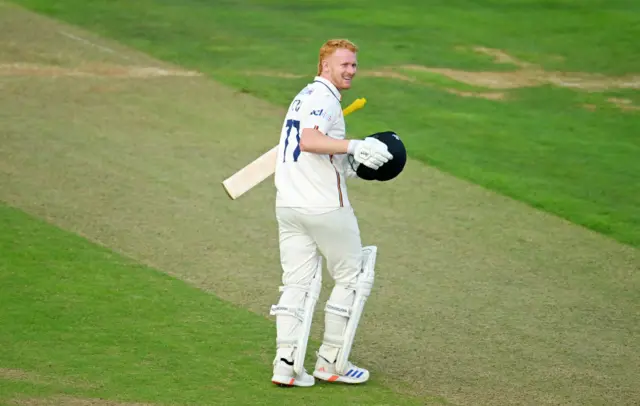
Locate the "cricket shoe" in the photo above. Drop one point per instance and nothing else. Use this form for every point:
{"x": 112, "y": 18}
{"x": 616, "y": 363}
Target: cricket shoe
{"x": 283, "y": 375}
{"x": 326, "y": 371}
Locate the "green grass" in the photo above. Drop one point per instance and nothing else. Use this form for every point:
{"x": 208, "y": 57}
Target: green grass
{"x": 79, "y": 320}
{"x": 541, "y": 146}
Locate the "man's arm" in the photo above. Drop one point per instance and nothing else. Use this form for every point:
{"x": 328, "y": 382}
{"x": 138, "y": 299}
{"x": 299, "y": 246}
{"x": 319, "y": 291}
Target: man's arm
{"x": 370, "y": 151}
{"x": 316, "y": 142}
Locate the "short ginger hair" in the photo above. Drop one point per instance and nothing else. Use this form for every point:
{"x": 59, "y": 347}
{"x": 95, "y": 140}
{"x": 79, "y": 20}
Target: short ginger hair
{"x": 331, "y": 46}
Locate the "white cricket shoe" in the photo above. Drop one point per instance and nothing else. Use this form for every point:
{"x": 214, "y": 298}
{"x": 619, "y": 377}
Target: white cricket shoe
{"x": 327, "y": 372}
{"x": 284, "y": 375}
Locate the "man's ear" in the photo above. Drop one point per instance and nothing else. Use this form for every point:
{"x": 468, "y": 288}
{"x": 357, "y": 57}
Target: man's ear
{"x": 325, "y": 65}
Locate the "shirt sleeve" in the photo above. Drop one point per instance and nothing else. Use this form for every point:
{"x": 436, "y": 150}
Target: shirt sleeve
{"x": 321, "y": 114}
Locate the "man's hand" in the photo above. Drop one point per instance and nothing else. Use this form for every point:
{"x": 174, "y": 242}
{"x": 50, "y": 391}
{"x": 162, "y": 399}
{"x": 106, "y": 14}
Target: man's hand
{"x": 370, "y": 152}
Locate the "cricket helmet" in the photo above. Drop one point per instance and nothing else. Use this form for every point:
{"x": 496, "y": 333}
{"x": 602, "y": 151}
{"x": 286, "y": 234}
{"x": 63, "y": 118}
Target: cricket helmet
{"x": 393, "y": 167}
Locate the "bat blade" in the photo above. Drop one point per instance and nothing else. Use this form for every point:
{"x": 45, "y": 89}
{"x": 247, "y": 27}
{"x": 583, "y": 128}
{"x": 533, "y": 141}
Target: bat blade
{"x": 251, "y": 175}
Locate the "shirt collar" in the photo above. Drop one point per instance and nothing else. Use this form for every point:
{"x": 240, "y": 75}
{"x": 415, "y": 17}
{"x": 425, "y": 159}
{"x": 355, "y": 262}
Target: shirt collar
{"x": 329, "y": 85}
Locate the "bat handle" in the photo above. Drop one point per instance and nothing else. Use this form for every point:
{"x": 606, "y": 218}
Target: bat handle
{"x": 356, "y": 105}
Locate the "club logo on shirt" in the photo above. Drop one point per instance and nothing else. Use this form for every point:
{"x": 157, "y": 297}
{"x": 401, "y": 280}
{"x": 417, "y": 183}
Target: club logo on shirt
{"x": 321, "y": 113}
{"x": 306, "y": 91}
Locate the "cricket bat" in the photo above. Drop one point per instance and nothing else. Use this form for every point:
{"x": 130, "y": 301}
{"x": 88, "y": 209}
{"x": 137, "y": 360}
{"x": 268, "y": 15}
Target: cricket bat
{"x": 265, "y": 165}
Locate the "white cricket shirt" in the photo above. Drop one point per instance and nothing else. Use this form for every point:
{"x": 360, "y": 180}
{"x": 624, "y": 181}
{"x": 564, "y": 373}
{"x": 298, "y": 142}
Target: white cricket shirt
{"x": 307, "y": 180}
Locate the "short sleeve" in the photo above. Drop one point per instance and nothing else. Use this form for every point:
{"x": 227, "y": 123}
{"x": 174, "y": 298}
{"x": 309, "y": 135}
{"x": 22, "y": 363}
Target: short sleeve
{"x": 321, "y": 114}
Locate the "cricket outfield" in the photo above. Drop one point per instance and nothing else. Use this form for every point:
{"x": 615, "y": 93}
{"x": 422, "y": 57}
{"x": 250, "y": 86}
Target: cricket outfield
{"x": 508, "y": 249}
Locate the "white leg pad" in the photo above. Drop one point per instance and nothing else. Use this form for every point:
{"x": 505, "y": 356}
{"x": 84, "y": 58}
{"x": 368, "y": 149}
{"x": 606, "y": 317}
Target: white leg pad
{"x": 304, "y": 316}
{"x": 338, "y": 341}
{"x": 363, "y": 287}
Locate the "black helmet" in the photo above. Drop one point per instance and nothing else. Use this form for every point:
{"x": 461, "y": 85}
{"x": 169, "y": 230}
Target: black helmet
{"x": 390, "y": 169}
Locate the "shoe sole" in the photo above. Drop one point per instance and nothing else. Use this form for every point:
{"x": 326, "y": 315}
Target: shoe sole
{"x": 325, "y": 376}
{"x": 287, "y": 381}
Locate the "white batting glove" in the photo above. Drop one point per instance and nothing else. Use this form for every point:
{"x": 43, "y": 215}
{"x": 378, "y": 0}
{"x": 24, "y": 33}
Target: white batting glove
{"x": 371, "y": 152}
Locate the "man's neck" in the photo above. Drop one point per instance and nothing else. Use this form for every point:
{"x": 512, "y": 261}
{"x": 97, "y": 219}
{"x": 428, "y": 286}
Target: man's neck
{"x": 330, "y": 81}
{"x": 334, "y": 87}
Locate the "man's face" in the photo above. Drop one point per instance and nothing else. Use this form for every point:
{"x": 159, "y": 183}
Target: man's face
{"x": 341, "y": 66}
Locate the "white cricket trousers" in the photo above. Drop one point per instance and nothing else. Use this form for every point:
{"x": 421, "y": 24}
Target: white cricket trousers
{"x": 334, "y": 235}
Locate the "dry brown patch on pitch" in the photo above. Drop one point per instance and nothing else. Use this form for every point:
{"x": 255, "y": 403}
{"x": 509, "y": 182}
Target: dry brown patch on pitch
{"x": 274, "y": 74}
{"x": 527, "y": 75}
{"x": 72, "y": 401}
{"x": 481, "y": 95}
{"x": 533, "y": 77}
{"x": 23, "y": 376}
{"x": 388, "y": 73}
{"x": 34, "y": 378}
{"x": 499, "y": 56}
{"x": 91, "y": 70}
{"x": 623, "y": 104}
{"x": 18, "y": 375}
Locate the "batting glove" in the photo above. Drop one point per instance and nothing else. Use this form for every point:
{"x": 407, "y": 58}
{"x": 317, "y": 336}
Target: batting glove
{"x": 371, "y": 152}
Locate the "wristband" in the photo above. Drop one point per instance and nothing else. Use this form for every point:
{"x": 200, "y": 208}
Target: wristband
{"x": 352, "y": 146}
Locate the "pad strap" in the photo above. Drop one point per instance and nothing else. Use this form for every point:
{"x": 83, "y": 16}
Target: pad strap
{"x": 283, "y": 310}
{"x": 337, "y": 309}
{"x": 301, "y": 288}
